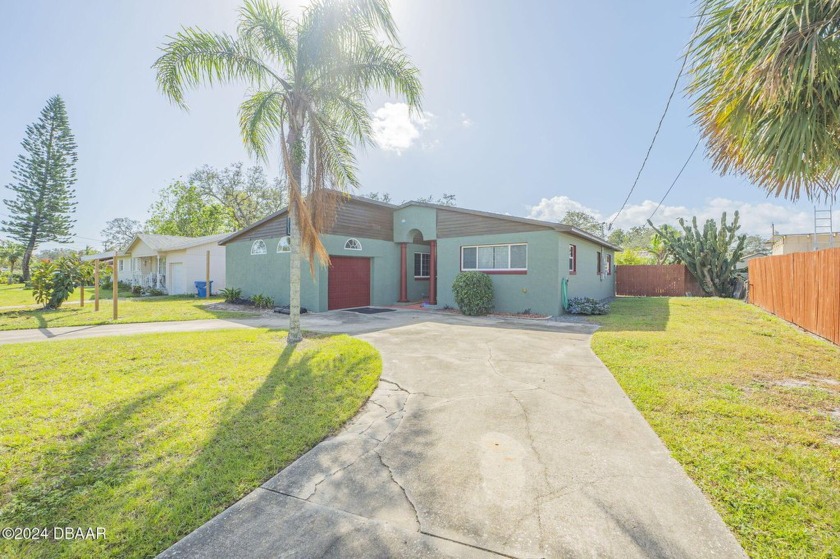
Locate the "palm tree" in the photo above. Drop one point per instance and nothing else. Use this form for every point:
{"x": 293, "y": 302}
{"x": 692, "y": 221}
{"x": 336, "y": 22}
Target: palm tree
{"x": 309, "y": 80}
{"x": 766, "y": 87}
{"x": 11, "y": 252}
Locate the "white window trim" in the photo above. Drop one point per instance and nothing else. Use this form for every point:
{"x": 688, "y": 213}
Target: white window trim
{"x": 429, "y": 267}
{"x": 288, "y": 245}
{"x": 256, "y": 251}
{"x": 508, "y": 245}
{"x": 358, "y": 244}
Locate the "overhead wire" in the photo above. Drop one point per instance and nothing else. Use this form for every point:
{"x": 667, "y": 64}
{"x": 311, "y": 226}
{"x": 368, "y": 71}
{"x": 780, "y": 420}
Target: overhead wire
{"x": 661, "y": 120}
{"x": 675, "y": 179}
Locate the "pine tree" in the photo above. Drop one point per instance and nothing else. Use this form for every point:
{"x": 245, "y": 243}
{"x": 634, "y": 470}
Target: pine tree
{"x": 44, "y": 176}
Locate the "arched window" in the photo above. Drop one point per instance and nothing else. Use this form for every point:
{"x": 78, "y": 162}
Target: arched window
{"x": 284, "y": 245}
{"x": 352, "y": 244}
{"x": 258, "y": 247}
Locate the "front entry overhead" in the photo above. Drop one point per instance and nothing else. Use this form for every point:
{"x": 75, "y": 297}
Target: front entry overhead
{"x": 348, "y": 282}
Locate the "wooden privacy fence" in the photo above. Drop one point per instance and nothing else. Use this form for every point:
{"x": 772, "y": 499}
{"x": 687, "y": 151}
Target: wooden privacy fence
{"x": 803, "y": 288}
{"x": 671, "y": 280}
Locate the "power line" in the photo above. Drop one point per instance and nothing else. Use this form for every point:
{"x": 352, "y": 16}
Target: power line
{"x": 661, "y": 120}
{"x": 675, "y": 179}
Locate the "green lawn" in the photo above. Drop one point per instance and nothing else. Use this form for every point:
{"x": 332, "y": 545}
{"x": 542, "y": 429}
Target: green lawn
{"x": 139, "y": 309}
{"x": 150, "y": 436}
{"x": 15, "y": 295}
{"x": 748, "y": 404}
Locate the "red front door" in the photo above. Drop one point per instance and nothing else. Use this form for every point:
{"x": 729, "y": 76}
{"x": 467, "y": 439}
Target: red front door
{"x": 348, "y": 284}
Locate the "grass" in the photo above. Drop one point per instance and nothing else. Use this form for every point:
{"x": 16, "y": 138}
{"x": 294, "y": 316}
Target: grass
{"x": 16, "y": 295}
{"x": 747, "y": 403}
{"x": 154, "y": 435}
{"x": 139, "y": 309}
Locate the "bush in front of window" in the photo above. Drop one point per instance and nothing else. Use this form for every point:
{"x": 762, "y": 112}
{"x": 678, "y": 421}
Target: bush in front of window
{"x": 473, "y": 293}
{"x": 587, "y": 305}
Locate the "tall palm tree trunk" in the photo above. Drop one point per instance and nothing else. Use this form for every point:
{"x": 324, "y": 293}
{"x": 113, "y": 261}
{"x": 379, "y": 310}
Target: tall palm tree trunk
{"x": 296, "y": 172}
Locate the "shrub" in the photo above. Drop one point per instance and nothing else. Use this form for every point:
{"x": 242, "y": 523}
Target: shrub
{"x": 473, "y": 293}
{"x": 262, "y": 301}
{"x": 52, "y": 284}
{"x": 231, "y": 294}
{"x": 587, "y": 305}
{"x": 136, "y": 289}
{"x": 155, "y": 292}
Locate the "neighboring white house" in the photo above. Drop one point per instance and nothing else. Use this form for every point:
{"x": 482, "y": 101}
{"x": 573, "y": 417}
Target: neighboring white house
{"x": 171, "y": 263}
{"x": 804, "y": 242}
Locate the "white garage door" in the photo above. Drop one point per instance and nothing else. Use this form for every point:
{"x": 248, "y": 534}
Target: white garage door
{"x": 177, "y": 281}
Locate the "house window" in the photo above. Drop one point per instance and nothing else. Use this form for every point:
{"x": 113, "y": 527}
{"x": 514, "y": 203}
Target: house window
{"x": 352, "y": 244}
{"x": 284, "y": 245}
{"x": 513, "y": 257}
{"x": 422, "y": 261}
{"x": 609, "y": 264}
{"x": 122, "y": 265}
{"x": 258, "y": 247}
{"x": 600, "y": 263}
{"x": 572, "y": 259}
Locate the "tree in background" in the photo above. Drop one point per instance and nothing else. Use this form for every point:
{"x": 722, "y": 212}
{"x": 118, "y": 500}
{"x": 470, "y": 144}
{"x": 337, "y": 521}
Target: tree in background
{"x": 246, "y": 194}
{"x": 766, "y": 95}
{"x": 710, "y": 255}
{"x": 445, "y": 200}
{"x": 44, "y": 176}
{"x": 119, "y": 232}
{"x": 56, "y": 253}
{"x": 756, "y": 244}
{"x": 11, "y": 253}
{"x": 632, "y": 257}
{"x": 309, "y": 80}
{"x": 583, "y": 221}
{"x": 384, "y": 197}
{"x": 181, "y": 209}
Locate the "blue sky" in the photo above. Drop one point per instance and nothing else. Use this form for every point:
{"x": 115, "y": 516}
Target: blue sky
{"x": 531, "y": 108}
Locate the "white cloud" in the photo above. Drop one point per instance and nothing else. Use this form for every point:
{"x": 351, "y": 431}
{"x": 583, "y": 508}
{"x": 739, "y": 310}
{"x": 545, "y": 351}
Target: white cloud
{"x": 466, "y": 121}
{"x": 554, "y": 209}
{"x": 395, "y": 128}
{"x": 754, "y": 218}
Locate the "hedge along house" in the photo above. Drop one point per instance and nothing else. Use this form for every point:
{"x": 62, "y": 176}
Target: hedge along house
{"x": 382, "y": 254}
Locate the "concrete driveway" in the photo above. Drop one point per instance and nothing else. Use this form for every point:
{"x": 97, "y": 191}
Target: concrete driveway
{"x": 484, "y": 439}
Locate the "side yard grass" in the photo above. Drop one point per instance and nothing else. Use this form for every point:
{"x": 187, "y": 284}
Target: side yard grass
{"x": 139, "y": 309}
{"x": 748, "y": 404}
{"x": 152, "y": 436}
{"x": 16, "y": 295}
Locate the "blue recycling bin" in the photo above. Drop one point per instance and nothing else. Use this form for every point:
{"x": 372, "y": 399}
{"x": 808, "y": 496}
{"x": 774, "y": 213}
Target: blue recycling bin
{"x": 201, "y": 288}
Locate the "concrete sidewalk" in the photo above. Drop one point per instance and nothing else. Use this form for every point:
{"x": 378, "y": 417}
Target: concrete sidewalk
{"x": 484, "y": 439}
{"x": 343, "y": 322}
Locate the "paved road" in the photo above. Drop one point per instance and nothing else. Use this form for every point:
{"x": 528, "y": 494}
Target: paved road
{"x": 485, "y": 438}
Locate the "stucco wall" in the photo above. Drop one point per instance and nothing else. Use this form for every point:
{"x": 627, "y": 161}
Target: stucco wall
{"x": 268, "y": 274}
{"x": 586, "y": 282}
{"x": 422, "y": 219}
{"x": 538, "y": 289}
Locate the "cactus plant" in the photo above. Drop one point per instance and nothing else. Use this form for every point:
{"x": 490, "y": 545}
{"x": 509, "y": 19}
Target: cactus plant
{"x": 710, "y": 255}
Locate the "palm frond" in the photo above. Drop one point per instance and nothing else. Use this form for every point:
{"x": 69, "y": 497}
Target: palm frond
{"x": 267, "y": 26}
{"x": 260, "y": 117}
{"x": 194, "y": 57}
{"x": 766, "y": 88}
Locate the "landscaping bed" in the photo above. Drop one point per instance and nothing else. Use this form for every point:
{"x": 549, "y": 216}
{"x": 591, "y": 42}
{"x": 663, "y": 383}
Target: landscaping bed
{"x": 748, "y": 404}
{"x": 151, "y": 436}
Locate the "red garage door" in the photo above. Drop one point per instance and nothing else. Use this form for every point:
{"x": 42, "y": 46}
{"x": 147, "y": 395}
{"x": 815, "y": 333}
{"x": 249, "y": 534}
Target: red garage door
{"x": 348, "y": 283}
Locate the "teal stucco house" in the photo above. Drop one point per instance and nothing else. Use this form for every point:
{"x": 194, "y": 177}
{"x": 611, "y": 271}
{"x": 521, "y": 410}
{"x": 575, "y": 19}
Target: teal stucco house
{"x": 383, "y": 254}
